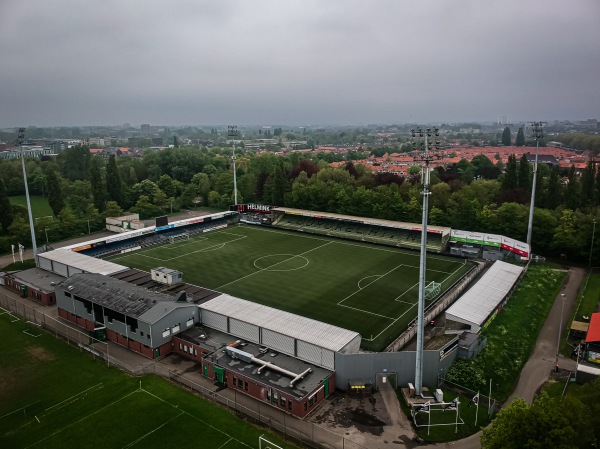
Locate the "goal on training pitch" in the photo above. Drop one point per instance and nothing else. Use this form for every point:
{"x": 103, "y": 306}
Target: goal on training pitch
{"x": 263, "y": 443}
{"x": 432, "y": 290}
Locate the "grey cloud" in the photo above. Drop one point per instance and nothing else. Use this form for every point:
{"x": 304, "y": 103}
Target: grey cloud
{"x": 339, "y": 61}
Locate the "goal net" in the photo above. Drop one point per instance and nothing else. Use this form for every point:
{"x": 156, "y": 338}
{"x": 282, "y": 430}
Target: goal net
{"x": 175, "y": 238}
{"x": 432, "y": 290}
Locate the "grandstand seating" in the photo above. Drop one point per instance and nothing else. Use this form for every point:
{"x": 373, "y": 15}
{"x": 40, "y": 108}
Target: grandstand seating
{"x": 358, "y": 231}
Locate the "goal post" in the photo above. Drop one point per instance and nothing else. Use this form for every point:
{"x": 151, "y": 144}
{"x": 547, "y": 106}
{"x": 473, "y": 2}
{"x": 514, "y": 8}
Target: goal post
{"x": 263, "y": 443}
{"x": 433, "y": 290}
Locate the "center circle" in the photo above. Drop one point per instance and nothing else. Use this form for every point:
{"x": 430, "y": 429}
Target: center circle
{"x": 281, "y": 262}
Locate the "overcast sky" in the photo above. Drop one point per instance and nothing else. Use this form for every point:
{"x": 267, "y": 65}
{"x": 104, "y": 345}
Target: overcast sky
{"x": 298, "y": 62}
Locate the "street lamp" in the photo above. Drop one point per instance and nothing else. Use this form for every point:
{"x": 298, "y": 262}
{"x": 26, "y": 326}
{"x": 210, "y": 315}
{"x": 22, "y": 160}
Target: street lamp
{"x": 592, "y": 245}
{"x": 538, "y": 133}
{"x": 560, "y": 327}
{"x": 46, "y": 231}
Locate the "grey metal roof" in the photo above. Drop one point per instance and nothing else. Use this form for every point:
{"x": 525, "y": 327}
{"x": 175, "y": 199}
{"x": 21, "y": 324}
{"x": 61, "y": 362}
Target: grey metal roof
{"x": 373, "y": 221}
{"x": 83, "y": 262}
{"x": 118, "y": 295}
{"x": 311, "y": 331}
{"x": 476, "y": 305}
{"x": 39, "y": 278}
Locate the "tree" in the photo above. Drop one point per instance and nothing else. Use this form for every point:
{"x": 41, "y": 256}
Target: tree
{"x": 97, "y": 183}
{"x": 520, "y": 140}
{"x": 6, "y": 216}
{"x": 145, "y": 208}
{"x": 523, "y": 177}
{"x": 506, "y": 138}
{"x": 55, "y": 197}
{"x": 113, "y": 209}
{"x": 510, "y": 180}
{"x": 113, "y": 181}
{"x": 540, "y": 425}
{"x": 165, "y": 183}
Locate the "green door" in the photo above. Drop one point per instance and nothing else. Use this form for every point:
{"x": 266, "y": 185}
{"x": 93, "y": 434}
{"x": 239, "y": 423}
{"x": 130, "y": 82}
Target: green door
{"x": 326, "y": 387}
{"x": 205, "y": 370}
{"x": 24, "y": 291}
{"x": 157, "y": 353}
{"x": 219, "y": 374}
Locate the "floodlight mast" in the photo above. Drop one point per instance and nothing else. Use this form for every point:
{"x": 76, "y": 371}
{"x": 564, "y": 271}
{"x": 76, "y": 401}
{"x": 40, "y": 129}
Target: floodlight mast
{"x": 538, "y": 133}
{"x": 425, "y": 157}
{"x": 20, "y": 140}
{"x": 233, "y": 133}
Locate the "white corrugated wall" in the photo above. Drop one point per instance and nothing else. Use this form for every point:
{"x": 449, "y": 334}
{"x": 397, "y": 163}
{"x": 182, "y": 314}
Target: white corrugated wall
{"x": 280, "y": 342}
{"x": 244, "y": 330}
{"x": 214, "y": 320}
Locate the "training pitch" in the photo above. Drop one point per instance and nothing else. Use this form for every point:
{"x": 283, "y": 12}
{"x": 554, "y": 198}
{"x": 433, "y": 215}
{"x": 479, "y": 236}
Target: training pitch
{"x": 367, "y": 288}
{"x": 55, "y": 396}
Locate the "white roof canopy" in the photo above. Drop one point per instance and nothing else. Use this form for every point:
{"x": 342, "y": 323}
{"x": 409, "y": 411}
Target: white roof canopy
{"x": 82, "y": 262}
{"x": 476, "y": 305}
{"x": 311, "y": 331}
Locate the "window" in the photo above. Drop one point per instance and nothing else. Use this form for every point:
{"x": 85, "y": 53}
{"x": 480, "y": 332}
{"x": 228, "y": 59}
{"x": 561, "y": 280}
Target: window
{"x": 240, "y": 383}
{"x": 195, "y": 351}
{"x": 275, "y": 397}
{"x": 290, "y": 404}
{"x": 269, "y": 394}
{"x": 310, "y": 402}
{"x": 234, "y": 381}
{"x": 245, "y": 385}
{"x": 282, "y": 401}
{"x": 176, "y": 328}
{"x": 184, "y": 348}
{"x": 166, "y": 333}
{"x": 189, "y": 322}
{"x": 141, "y": 333}
{"x": 180, "y": 345}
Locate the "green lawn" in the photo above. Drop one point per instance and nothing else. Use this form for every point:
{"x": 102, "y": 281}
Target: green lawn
{"x": 54, "y": 396}
{"x": 39, "y": 205}
{"x": 370, "y": 289}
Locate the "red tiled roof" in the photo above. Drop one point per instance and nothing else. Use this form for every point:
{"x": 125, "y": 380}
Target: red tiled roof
{"x": 594, "y": 329}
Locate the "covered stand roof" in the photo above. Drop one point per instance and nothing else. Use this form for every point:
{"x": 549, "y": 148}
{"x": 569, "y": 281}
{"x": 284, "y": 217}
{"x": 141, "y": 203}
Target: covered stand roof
{"x": 311, "y": 331}
{"x": 120, "y": 296}
{"x": 370, "y": 221}
{"x": 84, "y": 263}
{"x": 476, "y": 305}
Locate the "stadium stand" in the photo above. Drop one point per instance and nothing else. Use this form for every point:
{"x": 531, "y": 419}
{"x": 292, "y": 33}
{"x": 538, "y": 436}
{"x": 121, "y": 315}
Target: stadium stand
{"x": 379, "y": 231}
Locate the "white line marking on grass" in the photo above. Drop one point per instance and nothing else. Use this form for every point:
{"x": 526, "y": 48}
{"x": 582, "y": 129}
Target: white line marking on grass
{"x": 413, "y": 253}
{"x": 225, "y": 443}
{"x": 405, "y": 292}
{"x": 289, "y": 269}
{"x": 391, "y": 324}
{"x": 69, "y": 399}
{"x": 35, "y": 324}
{"x": 30, "y": 334}
{"x": 367, "y": 277}
{"x": 365, "y": 311}
{"x": 19, "y": 409}
{"x": 271, "y": 266}
{"x": 133, "y": 443}
{"x": 210, "y": 248}
{"x": 37, "y": 419}
{"x": 82, "y": 419}
{"x": 196, "y": 418}
{"x": 383, "y": 275}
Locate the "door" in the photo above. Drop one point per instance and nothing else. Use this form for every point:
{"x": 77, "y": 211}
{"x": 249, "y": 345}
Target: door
{"x": 205, "y": 370}
{"x": 219, "y": 374}
{"x": 326, "y": 383}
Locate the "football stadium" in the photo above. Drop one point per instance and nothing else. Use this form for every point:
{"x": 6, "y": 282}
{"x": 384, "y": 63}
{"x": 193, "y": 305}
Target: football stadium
{"x": 282, "y": 304}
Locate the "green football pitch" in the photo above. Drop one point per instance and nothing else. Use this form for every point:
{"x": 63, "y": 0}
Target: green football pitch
{"x": 370, "y": 289}
{"x": 55, "y": 396}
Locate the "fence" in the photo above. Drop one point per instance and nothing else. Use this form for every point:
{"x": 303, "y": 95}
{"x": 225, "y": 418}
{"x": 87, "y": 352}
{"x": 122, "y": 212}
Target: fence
{"x": 299, "y": 431}
{"x": 494, "y": 405}
{"x": 437, "y": 307}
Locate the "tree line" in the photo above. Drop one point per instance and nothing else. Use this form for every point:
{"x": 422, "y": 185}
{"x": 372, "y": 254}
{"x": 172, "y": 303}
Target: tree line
{"x": 481, "y": 195}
